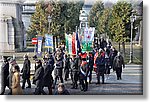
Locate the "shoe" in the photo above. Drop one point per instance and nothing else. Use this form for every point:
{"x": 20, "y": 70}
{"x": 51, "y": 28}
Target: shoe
{"x": 72, "y": 87}
{"x": 98, "y": 83}
{"x": 28, "y": 87}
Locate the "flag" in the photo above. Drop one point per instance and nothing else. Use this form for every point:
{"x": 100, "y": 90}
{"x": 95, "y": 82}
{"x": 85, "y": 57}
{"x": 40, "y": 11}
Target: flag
{"x": 78, "y": 47}
{"x": 74, "y": 43}
{"x": 39, "y": 46}
{"x": 66, "y": 39}
{"x": 70, "y": 44}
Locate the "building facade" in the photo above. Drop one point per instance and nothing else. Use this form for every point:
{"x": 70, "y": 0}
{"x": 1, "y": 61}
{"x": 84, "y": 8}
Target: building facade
{"x": 11, "y": 26}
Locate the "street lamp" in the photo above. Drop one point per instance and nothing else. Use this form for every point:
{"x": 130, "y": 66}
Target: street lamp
{"x": 132, "y": 19}
{"x": 49, "y": 21}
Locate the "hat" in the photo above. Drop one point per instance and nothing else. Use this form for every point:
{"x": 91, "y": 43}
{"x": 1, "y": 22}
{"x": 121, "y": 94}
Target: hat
{"x": 12, "y": 60}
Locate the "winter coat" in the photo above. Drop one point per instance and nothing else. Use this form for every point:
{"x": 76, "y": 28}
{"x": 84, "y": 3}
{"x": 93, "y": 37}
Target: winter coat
{"x": 118, "y": 62}
{"x": 38, "y": 76}
{"x": 26, "y": 69}
{"x": 100, "y": 63}
{"x": 47, "y": 77}
{"x": 5, "y": 73}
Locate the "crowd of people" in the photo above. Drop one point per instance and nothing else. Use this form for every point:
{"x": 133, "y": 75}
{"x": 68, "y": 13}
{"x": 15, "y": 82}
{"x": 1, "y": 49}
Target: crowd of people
{"x": 77, "y": 67}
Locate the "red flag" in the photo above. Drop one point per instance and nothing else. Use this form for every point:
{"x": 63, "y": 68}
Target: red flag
{"x": 95, "y": 57}
{"x": 73, "y": 43}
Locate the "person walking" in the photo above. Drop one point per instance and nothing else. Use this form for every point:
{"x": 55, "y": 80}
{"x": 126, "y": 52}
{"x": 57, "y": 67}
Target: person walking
{"x": 47, "y": 77}
{"x": 75, "y": 71}
{"x": 90, "y": 62}
{"x": 16, "y": 88}
{"x": 13, "y": 63}
{"x": 58, "y": 67}
{"x": 26, "y": 72}
{"x": 66, "y": 66}
{"x": 38, "y": 78}
{"x": 118, "y": 64}
{"x": 100, "y": 63}
{"x": 84, "y": 72}
{"x": 4, "y": 75}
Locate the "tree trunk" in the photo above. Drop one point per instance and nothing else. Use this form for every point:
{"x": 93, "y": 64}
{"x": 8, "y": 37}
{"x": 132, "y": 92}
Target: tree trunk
{"x": 123, "y": 48}
{"x": 119, "y": 46}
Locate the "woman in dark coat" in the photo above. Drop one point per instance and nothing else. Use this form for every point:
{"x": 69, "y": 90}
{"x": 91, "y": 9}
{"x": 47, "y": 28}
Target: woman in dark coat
{"x": 26, "y": 72}
{"x": 4, "y": 75}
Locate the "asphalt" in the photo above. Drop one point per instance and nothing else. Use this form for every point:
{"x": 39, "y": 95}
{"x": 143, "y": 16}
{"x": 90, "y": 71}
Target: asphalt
{"x": 131, "y": 84}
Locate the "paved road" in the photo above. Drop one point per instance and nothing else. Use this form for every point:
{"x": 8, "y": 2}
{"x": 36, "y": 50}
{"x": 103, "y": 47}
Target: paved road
{"x": 131, "y": 84}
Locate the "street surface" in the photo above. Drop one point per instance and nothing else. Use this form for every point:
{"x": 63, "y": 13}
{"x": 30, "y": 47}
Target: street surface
{"x": 131, "y": 84}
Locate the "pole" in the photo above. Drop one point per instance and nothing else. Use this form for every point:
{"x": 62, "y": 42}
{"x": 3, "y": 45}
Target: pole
{"x": 34, "y": 49}
{"x": 131, "y": 44}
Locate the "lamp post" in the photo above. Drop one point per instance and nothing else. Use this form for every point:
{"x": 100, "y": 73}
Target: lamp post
{"x": 49, "y": 21}
{"x": 132, "y": 19}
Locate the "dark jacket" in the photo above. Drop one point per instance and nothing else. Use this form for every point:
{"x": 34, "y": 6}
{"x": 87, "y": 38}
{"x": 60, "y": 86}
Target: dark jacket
{"x": 26, "y": 69}
{"x": 118, "y": 62}
{"x": 100, "y": 63}
{"x": 5, "y": 73}
{"x": 75, "y": 64}
{"x": 84, "y": 70}
{"x": 90, "y": 61}
{"x": 47, "y": 77}
{"x": 38, "y": 76}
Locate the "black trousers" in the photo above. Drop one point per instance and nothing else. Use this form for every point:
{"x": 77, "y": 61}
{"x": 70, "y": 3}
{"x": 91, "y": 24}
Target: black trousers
{"x": 84, "y": 84}
{"x": 90, "y": 76}
{"x": 100, "y": 72}
{"x": 119, "y": 72}
{"x": 3, "y": 88}
{"x": 39, "y": 90}
{"x": 75, "y": 78}
{"x": 24, "y": 81}
{"x": 66, "y": 72}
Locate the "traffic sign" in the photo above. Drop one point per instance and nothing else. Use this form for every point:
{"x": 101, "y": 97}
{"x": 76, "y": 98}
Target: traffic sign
{"x": 34, "y": 41}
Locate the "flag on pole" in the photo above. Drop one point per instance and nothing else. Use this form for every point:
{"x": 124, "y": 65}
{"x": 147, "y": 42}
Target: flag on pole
{"x": 78, "y": 47}
{"x": 70, "y": 44}
{"x": 66, "y": 38}
{"x": 74, "y": 43}
{"x": 39, "y": 46}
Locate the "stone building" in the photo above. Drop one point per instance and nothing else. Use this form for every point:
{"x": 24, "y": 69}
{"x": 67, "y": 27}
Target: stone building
{"x": 11, "y": 26}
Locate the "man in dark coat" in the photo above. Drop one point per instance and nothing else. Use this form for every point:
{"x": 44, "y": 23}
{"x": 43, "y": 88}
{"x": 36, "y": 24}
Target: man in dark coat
{"x": 47, "y": 77}
{"x": 90, "y": 62}
{"x": 4, "y": 75}
{"x": 117, "y": 65}
{"x": 75, "y": 70}
{"x": 113, "y": 54}
{"x": 100, "y": 63}
{"x": 66, "y": 66}
{"x": 26, "y": 72}
{"x": 38, "y": 78}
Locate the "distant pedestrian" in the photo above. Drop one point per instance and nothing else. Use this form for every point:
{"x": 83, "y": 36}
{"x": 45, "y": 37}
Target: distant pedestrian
{"x": 16, "y": 88}
{"x": 113, "y": 54}
{"x": 118, "y": 64}
{"x": 4, "y": 75}
{"x": 61, "y": 90}
{"x": 26, "y": 72}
